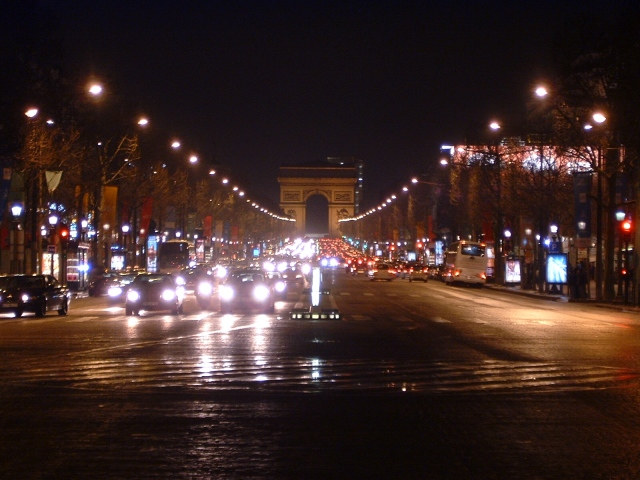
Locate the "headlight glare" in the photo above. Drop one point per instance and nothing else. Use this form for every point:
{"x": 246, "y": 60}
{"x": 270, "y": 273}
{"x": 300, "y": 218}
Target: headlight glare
{"x": 114, "y": 291}
{"x": 260, "y": 293}
{"x": 168, "y": 295}
{"x": 133, "y": 295}
{"x": 205, "y": 288}
{"x": 226, "y": 293}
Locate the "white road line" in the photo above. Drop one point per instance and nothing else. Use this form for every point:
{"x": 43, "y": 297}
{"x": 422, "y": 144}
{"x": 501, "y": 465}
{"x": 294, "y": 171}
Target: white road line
{"x": 82, "y": 319}
{"x": 440, "y": 320}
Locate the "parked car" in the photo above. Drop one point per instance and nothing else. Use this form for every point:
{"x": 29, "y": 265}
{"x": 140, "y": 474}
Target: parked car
{"x": 154, "y": 292}
{"x": 418, "y": 272}
{"x": 246, "y": 289}
{"x": 33, "y": 293}
{"x": 382, "y": 271}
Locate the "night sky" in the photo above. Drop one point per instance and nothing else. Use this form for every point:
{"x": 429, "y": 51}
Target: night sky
{"x": 254, "y": 85}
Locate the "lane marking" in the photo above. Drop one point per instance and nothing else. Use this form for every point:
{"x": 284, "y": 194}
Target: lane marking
{"x": 82, "y": 319}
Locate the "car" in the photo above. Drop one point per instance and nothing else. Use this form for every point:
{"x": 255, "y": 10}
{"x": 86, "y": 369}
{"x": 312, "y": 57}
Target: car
{"x": 278, "y": 284}
{"x": 358, "y": 266}
{"x": 436, "y": 272}
{"x": 402, "y": 269}
{"x": 154, "y": 292}
{"x": 247, "y": 290}
{"x": 118, "y": 286}
{"x": 418, "y": 272}
{"x": 33, "y": 293}
{"x": 205, "y": 290}
{"x": 100, "y": 283}
{"x": 382, "y": 271}
{"x": 193, "y": 275}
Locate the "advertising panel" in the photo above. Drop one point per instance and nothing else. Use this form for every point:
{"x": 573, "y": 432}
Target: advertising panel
{"x": 557, "y": 268}
{"x": 512, "y": 270}
{"x": 152, "y": 253}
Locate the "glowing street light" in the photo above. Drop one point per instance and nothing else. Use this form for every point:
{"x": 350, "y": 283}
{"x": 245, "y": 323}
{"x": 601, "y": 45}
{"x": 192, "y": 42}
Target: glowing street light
{"x": 31, "y": 112}
{"x": 494, "y": 126}
{"x": 193, "y": 159}
{"x": 541, "y": 91}
{"x": 143, "y": 121}
{"x": 599, "y": 117}
{"x": 95, "y": 89}
{"x": 176, "y": 144}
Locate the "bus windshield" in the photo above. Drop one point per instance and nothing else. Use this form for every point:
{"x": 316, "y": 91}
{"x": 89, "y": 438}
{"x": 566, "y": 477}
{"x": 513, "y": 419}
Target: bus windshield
{"x": 472, "y": 249}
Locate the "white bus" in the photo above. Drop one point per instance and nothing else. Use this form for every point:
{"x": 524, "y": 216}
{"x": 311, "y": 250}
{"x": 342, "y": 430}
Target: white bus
{"x": 466, "y": 262}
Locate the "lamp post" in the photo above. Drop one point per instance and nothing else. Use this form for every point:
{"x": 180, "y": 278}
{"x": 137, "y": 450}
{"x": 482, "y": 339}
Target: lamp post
{"x": 499, "y": 227}
{"x": 17, "y": 256}
{"x": 620, "y": 218}
{"x": 35, "y": 201}
{"x": 107, "y": 246}
{"x": 53, "y": 221}
{"x": 125, "y": 243}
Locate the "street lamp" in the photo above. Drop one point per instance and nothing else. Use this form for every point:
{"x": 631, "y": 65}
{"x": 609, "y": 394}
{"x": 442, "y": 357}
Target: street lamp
{"x": 53, "y": 221}
{"x": 17, "y": 258}
{"x": 498, "y": 268}
{"x": 125, "y": 241}
{"x": 107, "y": 246}
{"x": 95, "y": 89}
{"x": 541, "y": 91}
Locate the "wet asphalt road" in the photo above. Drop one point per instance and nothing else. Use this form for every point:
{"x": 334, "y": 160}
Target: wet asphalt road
{"x": 416, "y": 381}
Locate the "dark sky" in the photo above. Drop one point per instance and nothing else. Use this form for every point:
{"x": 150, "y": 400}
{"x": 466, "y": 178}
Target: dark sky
{"x": 254, "y": 85}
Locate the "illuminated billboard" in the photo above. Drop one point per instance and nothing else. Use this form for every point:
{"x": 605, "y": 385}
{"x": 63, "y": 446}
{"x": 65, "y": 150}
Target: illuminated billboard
{"x": 557, "y": 268}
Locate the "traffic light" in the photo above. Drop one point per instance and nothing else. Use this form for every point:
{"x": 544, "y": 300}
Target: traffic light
{"x": 64, "y": 235}
{"x": 627, "y": 228}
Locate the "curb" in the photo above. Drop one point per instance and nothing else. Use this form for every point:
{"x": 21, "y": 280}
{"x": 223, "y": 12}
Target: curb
{"x": 562, "y": 298}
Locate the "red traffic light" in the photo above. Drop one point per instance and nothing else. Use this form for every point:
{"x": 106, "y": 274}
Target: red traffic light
{"x": 626, "y": 226}
{"x": 64, "y": 233}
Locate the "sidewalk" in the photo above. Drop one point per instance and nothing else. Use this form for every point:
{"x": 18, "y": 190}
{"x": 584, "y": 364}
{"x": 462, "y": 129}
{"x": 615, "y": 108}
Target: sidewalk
{"x": 562, "y": 297}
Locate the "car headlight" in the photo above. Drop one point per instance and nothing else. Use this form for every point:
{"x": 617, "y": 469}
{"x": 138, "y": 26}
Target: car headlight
{"x": 25, "y": 297}
{"x": 114, "y": 291}
{"x": 133, "y": 296}
{"x": 261, "y": 293}
{"x": 280, "y": 286}
{"x": 221, "y": 272}
{"x": 168, "y": 295}
{"x": 180, "y": 281}
{"x": 205, "y": 288}
{"x": 226, "y": 293}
